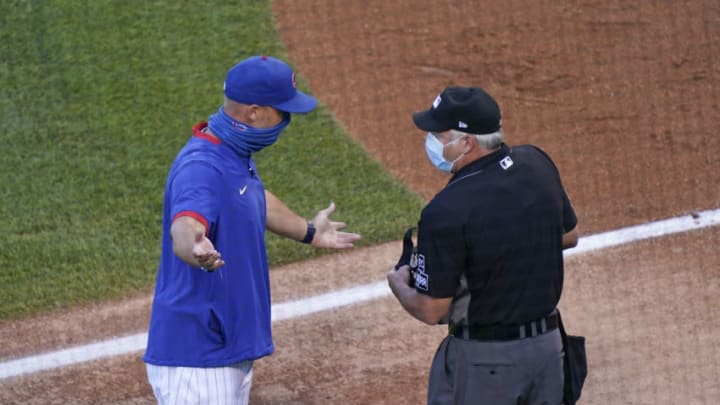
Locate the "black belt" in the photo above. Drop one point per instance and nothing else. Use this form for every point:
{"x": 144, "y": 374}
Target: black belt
{"x": 506, "y": 332}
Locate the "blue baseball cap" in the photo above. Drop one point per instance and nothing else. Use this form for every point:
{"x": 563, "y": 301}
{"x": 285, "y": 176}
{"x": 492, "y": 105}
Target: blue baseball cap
{"x": 267, "y": 81}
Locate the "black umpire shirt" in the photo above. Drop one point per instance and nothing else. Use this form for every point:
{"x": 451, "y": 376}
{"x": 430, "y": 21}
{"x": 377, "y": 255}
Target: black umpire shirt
{"x": 497, "y": 228}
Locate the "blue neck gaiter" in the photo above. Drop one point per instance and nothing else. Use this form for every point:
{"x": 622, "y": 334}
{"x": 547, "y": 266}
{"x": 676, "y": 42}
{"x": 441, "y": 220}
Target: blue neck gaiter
{"x": 241, "y": 138}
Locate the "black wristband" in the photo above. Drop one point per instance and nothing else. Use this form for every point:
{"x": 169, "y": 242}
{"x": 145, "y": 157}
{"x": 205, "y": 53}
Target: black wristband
{"x": 310, "y": 235}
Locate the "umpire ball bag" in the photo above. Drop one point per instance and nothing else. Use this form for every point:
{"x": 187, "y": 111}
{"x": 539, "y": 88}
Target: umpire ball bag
{"x": 575, "y": 365}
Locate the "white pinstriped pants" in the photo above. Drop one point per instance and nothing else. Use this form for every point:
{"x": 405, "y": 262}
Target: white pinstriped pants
{"x": 195, "y": 385}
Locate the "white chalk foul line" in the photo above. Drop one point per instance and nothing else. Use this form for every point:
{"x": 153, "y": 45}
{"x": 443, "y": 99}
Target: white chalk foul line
{"x": 340, "y": 298}
{"x": 75, "y": 355}
{"x": 696, "y": 220}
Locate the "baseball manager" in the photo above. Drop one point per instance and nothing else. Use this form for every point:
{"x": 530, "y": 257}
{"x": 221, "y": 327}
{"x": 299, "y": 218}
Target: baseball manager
{"x": 211, "y": 311}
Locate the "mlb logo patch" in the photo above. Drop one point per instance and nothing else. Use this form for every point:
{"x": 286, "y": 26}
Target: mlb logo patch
{"x": 506, "y": 162}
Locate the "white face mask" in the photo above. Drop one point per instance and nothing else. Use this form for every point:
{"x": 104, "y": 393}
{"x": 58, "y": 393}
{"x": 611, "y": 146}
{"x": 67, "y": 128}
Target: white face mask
{"x": 434, "y": 149}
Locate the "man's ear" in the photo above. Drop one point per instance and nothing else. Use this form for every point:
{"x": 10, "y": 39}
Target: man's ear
{"x": 470, "y": 143}
{"x": 252, "y": 114}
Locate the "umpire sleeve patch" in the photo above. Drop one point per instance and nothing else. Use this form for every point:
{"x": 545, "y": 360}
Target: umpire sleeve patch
{"x": 422, "y": 280}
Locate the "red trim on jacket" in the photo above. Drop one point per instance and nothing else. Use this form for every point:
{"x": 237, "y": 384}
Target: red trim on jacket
{"x": 195, "y": 215}
{"x": 198, "y": 133}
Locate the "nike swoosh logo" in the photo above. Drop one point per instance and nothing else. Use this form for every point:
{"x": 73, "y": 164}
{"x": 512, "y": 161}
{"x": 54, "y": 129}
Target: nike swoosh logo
{"x": 242, "y": 190}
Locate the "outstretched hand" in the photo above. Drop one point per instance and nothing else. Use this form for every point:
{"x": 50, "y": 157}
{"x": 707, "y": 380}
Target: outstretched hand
{"x": 204, "y": 252}
{"x": 328, "y": 234}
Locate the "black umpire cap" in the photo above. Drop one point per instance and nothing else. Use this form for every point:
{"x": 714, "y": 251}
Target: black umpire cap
{"x": 466, "y": 109}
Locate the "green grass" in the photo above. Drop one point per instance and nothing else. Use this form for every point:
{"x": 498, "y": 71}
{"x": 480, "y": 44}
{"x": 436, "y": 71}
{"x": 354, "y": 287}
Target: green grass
{"x": 97, "y": 97}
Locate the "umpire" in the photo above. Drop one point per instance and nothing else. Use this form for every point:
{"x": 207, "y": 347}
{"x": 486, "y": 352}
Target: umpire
{"x": 489, "y": 259}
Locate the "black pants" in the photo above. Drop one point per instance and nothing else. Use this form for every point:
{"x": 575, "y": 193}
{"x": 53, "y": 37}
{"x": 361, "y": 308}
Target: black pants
{"x": 525, "y": 371}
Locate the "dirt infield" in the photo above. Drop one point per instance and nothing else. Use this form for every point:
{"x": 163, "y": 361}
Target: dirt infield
{"x": 625, "y": 97}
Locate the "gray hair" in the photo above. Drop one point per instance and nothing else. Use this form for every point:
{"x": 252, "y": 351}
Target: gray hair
{"x": 486, "y": 141}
